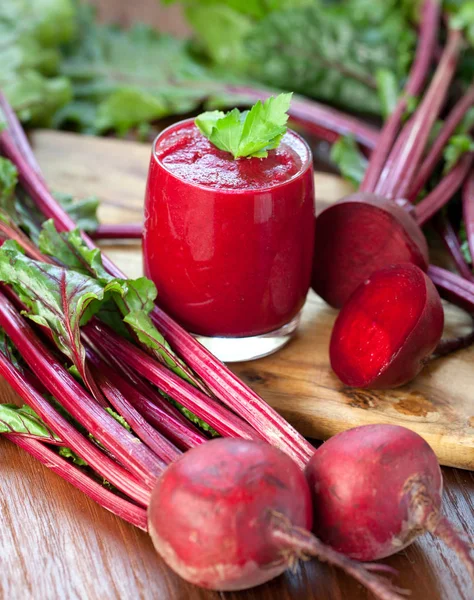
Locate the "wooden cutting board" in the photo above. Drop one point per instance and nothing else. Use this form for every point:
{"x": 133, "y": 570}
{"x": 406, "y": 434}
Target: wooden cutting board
{"x": 298, "y": 380}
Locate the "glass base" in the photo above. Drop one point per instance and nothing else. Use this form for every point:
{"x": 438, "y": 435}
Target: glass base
{"x": 237, "y": 349}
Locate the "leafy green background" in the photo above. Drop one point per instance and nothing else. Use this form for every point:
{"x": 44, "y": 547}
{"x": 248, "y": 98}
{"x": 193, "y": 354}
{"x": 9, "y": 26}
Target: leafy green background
{"x": 62, "y": 69}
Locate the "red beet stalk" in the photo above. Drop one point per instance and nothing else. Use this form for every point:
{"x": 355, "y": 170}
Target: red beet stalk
{"x": 220, "y": 380}
{"x": 452, "y": 121}
{"x": 452, "y": 287}
{"x": 204, "y": 407}
{"x": 163, "y": 448}
{"x": 402, "y": 163}
{"x": 118, "y": 506}
{"x": 428, "y": 36}
{"x": 233, "y": 392}
{"x": 451, "y": 241}
{"x": 170, "y": 423}
{"x": 155, "y": 408}
{"x": 18, "y": 134}
{"x": 122, "y": 444}
{"x": 130, "y": 231}
{"x": 444, "y": 191}
{"x": 101, "y": 463}
{"x": 12, "y": 233}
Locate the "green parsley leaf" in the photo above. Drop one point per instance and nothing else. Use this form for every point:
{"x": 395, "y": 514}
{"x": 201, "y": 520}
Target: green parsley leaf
{"x": 250, "y": 133}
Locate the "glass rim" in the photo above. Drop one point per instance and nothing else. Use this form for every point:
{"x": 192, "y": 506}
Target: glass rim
{"x": 308, "y": 163}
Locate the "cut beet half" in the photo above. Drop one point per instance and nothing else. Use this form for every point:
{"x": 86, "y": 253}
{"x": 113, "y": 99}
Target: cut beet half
{"x": 360, "y": 235}
{"x": 387, "y": 329}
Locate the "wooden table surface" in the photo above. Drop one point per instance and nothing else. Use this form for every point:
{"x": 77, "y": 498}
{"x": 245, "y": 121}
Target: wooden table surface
{"x": 55, "y": 544}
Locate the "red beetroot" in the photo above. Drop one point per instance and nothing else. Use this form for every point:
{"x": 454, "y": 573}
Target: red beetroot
{"x": 387, "y": 329}
{"x": 341, "y": 261}
{"x": 375, "y": 489}
{"x": 232, "y": 514}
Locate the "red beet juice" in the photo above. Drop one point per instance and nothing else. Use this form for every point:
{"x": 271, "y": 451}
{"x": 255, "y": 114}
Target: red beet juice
{"x": 228, "y": 242}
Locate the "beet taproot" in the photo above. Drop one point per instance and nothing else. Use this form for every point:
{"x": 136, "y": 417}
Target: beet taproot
{"x": 232, "y": 514}
{"x": 375, "y": 489}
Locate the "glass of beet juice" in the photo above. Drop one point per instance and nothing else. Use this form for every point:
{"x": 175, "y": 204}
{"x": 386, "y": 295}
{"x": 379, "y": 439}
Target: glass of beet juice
{"x": 229, "y": 242}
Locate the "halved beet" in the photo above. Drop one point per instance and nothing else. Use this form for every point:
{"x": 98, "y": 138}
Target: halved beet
{"x": 359, "y": 235}
{"x": 387, "y": 329}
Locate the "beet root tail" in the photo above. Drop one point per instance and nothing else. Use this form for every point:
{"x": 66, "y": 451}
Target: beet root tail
{"x": 303, "y": 544}
{"x": 449, "y": 345}
{"x": 454, "y": 539}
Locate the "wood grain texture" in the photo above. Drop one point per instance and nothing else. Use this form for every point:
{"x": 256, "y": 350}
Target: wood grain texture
{"x": 55, "y": 544}
{"x": 298, "y": 380}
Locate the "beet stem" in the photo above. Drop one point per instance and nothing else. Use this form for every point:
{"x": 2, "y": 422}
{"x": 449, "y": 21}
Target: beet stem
{"x": 233, "y": 392}
{"x": 468, "y": 211}
{"x": 21, "y": 239}
{"x": 129, "y": 231}
{"x": 452, "y": 287}
{"x": 445, "y": 229}
{"x": 162, "y": 447}
{"x": 402, "y": 163}
{"x": 452, "y": 121}
{"x": 446, "y": 346}
{"x": 430, "y": 20}
{"x": 445, "y": 190}
{"x": 158, "y": 411}
{"x": 204, "y": 407}
{"x": 122, "y": 444}
{"x": 445, "y": 531}
{"x": 179, "y": 431}
{"x": 118, "y": 506}
{"x": 108, "y": 468}
{"x": 306, "y": 544}
{"x": 18, "y": 134}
